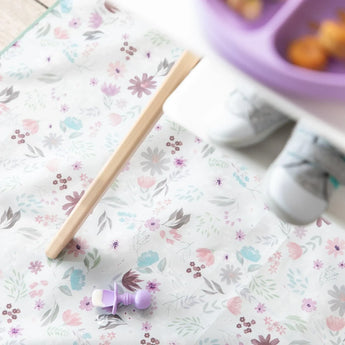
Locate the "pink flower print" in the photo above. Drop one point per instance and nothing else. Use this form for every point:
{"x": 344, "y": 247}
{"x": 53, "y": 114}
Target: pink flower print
{"x": 73, "y": 200}
{"x": 77, "y": 246}
{"x": 152, "y": 286}
{"x": 85, "y": 304}
{"x": 240, "y": 235}
{"x": 14, "y": 332}
{"x": 146, "y": 326}
{"x": 142, "y": 85}
{"x": 335, "y": 324}
{"x": 308, "y": 305}
{"x": 115, "y": 119}
{"x": 35, "y": 267}
{"x": 175, "y": 234}
{"x": 295, "y": 250}
{"x": 300, "y": 231}
{"x": 61, "y": 34}
{"x": 71, "y": 319}
{"x": 335, "y": 247}
{"x": 146, "y": 182}
{"x": 93, "y": 81}
{"x": 152, "y": 224}
{"x": 110, "y": 90}
{"x": 39, "y": 304}
{"x": 30, "y": 126}
{"x": 95, "y": 20}
{"x": 117, "y": 69}
{"x": 77, "y": 165}
{"x": 234, "y": 305}
{"x": 205, "y": 255}
{"x": 321, "y": 220}
{"x": 260, "y": 308}
{"x": 75, "y": 23}
{"x": 318, "y": 264}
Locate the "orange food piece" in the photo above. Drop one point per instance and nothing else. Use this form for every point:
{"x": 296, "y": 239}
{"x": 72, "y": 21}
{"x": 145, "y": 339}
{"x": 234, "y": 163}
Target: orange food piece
{"x": 249, "y": 9}
{"x": 307, "y": 52}
{"x": 332, "y": 37}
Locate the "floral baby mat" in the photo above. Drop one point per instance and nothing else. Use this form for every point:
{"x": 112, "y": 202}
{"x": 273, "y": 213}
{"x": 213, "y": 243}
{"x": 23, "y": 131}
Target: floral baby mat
{"x": 182, "y": 220}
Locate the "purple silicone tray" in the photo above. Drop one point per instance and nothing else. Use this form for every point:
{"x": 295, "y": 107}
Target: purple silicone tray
{"x": 258, "y": 47}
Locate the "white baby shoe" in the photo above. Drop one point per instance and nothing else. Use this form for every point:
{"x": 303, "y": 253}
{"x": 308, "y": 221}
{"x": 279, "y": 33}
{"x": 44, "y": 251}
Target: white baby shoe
{"x": 301, "y": 181}
{"x": 245, "y": 119}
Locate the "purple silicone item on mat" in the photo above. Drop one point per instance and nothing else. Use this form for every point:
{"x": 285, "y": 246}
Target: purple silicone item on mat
{"x": 141, "y": 299}
{"x": 258, "y": 47}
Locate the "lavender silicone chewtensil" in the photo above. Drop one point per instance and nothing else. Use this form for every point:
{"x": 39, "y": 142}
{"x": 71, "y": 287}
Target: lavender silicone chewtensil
{"x": 111, "y": 298}
{"x": 259, "y": 47}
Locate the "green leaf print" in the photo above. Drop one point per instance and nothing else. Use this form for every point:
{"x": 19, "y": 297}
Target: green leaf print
{"x": 187, "y": 325}
{"x": 189, "y": 193}
{"x": 297, "y": 282}
{"x": 66, "y": 290}
{"x": 207, "y": 224}
{"x": 300, "y": 342}
{"x": 295, "y": 323}
{"x": 15, "y": 286}
{"x": 157, "y": 38}
{"x": 57, "y": 331}
{"x": 92, "y": 259}
{"x": 162, "y": 264}
{"x": 264, "y": 287}
{"x": 312, "y": 244}
{"x": 50, "y": 315}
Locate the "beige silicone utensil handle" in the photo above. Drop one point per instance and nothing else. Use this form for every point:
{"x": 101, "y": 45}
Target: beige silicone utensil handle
{"x": 141, "y": 128}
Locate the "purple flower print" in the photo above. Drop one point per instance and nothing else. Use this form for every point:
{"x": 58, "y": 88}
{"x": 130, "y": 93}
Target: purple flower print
{"x": 95, "y": 20}
{"x": 341, "y": 264}
{"x": 64, "y": 108}
{"x": 110, "y": 90}
{"x": 74, "y": 23}
{"x": 260, "y": 308}
{"x": 73, "y": 200}
{"x": 85, "y": 304}
{"x": 146, "y": 326}
{"x": 180, "y": 162}
{"x": 152, "y": 286}
{"x": 39, "y": 304}
{"x": 142, "y": 85}
{"x": 35, "y": 267}
{"x": 265, "y": 341}
{"x": 93, "y": 81}
{"x": 218, "y": 181}
{"x": 318, "y": 264}
{"x": 152, "y": 224}
{"x": 114, "y": 244}
{"x": 240, "y": 235}
{"x": 308, "y": 305}
{"x": 15, "y": 331}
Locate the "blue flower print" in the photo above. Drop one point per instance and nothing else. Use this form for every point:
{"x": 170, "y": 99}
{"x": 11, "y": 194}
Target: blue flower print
{"x": 73, "y": 123}
{"x": 147, "y": 258}
{"x": 250, "y": 254}
{"x": 66, "y": 6}
{"x": 77, "y": 279}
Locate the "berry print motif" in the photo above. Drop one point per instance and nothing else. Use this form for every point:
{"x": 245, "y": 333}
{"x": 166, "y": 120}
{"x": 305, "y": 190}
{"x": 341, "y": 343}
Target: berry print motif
{"x": 196, "y": 270}
{"x": 20, "y": 136}
{"x": 175, "y": 145}
{"x": 62, "y": 181}
{"x": 128, "y": 50}
{"x": 10, "y": 313}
